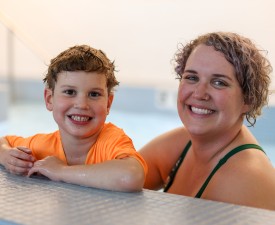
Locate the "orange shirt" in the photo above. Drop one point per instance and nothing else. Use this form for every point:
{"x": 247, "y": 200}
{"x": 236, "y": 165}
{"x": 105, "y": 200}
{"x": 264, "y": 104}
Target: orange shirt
{"x": 112, "y": 143}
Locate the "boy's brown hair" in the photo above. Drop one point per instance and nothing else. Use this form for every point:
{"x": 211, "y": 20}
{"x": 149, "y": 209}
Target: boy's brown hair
{"x": 81, "y": 58}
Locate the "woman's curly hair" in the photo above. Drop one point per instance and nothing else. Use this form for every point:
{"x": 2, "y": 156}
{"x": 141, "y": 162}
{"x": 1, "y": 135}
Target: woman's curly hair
{"x": 81, "y": 58}
{"x": 251, "y": 67}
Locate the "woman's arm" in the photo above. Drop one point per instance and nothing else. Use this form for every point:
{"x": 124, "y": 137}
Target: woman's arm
{"x": 161, "y": 154}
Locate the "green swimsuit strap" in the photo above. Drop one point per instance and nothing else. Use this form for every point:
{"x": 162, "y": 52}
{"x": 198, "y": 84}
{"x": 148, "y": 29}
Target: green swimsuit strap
{"x": 223, "y": 161}
{"x": 174, "y": 171}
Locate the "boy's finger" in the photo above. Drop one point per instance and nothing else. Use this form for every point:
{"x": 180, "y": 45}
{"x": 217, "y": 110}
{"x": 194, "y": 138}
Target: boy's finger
{"x": 22, "y": 155}
{"x": 14, "y": 162}
{"x": 32, "y": 171}
{"x": 24, "y": 149}
{"x": 18, "y": 170}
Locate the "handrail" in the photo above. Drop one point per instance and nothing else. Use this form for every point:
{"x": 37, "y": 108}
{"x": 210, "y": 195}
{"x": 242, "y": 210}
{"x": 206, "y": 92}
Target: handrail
{"x": 37, "y": 50}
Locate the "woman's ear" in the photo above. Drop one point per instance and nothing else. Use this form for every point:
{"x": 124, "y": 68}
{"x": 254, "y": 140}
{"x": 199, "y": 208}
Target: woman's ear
{"x": 48, "y": 98}
{"x": 246, "y": 108}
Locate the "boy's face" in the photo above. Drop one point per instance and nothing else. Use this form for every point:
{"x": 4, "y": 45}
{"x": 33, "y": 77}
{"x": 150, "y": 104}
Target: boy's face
{"x": 80, "y": 103}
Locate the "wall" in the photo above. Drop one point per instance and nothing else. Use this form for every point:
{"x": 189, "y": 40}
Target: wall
{"x": 141, "y": 36}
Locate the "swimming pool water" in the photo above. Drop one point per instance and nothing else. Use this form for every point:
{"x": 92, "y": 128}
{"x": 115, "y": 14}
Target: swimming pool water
{"x": 28, "y": 118}
{"x": 144, "y": 127}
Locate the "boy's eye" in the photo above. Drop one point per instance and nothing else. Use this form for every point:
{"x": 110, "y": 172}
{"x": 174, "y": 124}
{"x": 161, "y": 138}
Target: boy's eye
{"x": 70, "y": 92}
{"x": 94, "y": 94}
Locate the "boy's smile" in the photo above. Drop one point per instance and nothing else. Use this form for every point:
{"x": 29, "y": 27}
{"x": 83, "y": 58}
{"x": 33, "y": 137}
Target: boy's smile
{"x": 79, "y": 102}
{"x": 79, "y": 118}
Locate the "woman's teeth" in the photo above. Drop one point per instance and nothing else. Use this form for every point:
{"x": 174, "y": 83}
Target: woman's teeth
{"x": 201, "y": 111}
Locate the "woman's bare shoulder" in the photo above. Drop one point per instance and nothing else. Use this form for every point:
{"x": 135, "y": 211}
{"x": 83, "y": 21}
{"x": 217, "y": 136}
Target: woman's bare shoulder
{"x": 161, "y": 154}
{"x": 247, "y": 179}
{"x": 167, "y": 142}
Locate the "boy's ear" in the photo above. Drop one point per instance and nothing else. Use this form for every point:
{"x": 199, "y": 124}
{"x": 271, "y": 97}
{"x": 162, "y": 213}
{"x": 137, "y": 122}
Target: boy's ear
{"x": 48, "y": 94}
{"x": 110, "y": 101}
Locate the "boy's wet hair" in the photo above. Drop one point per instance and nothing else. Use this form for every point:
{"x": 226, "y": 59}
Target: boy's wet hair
{"x": 81, "y": 58}
{"x": 252, "y": 68}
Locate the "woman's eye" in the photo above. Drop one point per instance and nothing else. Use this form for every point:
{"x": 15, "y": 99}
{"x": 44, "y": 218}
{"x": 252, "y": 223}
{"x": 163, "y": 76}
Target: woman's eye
{"x": 220, "y": 83}
{"x": 191, "y": 78}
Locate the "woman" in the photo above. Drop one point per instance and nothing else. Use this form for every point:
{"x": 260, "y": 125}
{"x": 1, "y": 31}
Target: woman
{"x": 224, "y": 78}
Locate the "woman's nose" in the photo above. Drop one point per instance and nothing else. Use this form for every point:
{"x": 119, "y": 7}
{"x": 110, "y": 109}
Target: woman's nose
{"x": 201, "y": 92}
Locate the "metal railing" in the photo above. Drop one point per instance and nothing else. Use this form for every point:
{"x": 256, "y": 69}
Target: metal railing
{"x": 13, "y": 31}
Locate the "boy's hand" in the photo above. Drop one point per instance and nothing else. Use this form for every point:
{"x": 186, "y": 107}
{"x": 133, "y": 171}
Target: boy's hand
{"x": 18, "y": 160}
{"x": 49, "y": 167}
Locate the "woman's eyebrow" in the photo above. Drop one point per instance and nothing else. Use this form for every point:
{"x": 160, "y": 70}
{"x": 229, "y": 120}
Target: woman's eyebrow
{"x": 190, "y": 71}
{"x": 218, "y": 75}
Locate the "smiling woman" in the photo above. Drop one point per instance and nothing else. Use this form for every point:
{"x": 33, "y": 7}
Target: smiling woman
{"x": 210, "y": 79}
{"x": 224, "y": 79}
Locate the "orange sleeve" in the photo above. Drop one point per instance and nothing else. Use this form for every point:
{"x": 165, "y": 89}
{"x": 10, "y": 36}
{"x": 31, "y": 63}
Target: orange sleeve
{"x": 113, "y": 143}
{"x": 15, "y": 141}
{"x": 42, "y": 145}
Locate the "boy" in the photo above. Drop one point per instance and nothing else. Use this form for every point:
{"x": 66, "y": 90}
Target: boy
{"x": 84, "y": 150}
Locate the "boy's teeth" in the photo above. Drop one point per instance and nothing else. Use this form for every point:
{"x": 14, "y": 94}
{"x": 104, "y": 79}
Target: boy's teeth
{"x": 201, "y": 111}
{"x": 80, "y": 118}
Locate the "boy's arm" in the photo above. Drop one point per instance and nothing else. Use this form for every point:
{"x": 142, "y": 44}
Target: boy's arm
{"x": 125, "y": 174}
{"x": 16, "y": 160}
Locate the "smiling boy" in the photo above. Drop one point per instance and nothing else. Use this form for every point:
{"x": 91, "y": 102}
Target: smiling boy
{"x": 84, "y": 150}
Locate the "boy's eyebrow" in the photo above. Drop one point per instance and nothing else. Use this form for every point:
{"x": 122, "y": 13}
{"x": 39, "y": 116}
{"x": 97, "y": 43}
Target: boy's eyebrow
{"x": 71, "y": 86}
{"x": 67, "y": 86}
{"x": 97, "y": 89}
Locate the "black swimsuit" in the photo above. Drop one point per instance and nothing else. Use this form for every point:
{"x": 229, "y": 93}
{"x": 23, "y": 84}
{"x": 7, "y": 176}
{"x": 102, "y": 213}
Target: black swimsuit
{"x": 221, "y": 162}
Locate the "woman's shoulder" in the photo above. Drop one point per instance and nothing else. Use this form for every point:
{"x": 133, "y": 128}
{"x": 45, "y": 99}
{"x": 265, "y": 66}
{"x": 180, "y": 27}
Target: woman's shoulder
{"x": 168, "y": 146}
{"x": 245, "y": 159}
{"x": 175, "y": 136}
{"x": 173, "y": 139}
{"x": 161, "y": 154}
{"x": 247, "y": 175}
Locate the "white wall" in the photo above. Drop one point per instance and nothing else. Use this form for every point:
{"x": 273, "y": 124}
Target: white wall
{"x": 140, "y": 35}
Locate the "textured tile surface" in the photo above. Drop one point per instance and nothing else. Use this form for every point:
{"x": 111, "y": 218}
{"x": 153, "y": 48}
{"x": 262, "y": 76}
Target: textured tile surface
{"x": 39, "y": 201}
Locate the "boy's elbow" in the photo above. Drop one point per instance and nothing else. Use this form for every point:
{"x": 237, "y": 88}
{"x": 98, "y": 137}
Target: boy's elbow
{"x": 133, "y": 180}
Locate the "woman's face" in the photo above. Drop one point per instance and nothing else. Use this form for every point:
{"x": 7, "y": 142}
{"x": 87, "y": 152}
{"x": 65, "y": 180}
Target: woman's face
{"x": 210, "y": 98}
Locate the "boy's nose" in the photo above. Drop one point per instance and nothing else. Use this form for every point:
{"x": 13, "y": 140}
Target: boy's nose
{"x": 81, "y": 103}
